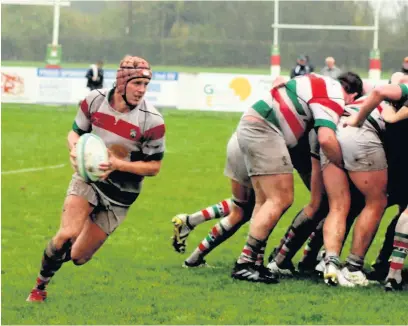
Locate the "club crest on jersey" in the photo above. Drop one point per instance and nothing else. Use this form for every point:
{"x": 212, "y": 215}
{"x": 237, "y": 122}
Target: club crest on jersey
{"x": 133, "y": 133}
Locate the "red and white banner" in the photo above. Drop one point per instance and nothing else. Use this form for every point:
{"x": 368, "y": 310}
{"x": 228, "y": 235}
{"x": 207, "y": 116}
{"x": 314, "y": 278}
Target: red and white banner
{"x": 18, "y": 84}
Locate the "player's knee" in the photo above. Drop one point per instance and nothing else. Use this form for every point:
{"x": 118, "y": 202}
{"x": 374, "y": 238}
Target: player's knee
{"x": 340, "y": 206}
{"x": 60, "y": 251}
{"x": 239, "y": 205}
{"x": 63, "y": 236}
{"x": 239, "y": 202}
{"x": 78, "y": 261}
{"x": 67, "y": 233}
{"x": 378, "y": 202}
{"x": 312, "y": 207}
{"x": 236, "y": 215}
{"x": 244, "y": 207}
{"x": 382, "y": 202}
{"x": 281, "y": 203}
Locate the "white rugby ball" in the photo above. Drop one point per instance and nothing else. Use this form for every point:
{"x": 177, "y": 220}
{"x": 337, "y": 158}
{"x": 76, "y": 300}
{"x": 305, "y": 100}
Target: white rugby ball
{"x": 91, "y": 151}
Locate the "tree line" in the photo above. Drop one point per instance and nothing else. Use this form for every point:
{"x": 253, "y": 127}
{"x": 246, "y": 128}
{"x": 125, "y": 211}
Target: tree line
{"x": 204, "y": 33}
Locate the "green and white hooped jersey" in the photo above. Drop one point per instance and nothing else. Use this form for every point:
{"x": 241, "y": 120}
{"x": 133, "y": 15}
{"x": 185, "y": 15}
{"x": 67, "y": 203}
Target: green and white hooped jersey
{"x": 403, "y": 101}
{"x": 404, "y": 88}
{"x": 374, "y": 121}
{"x": 137, "y": 135}
{"x": 303, "y": 103}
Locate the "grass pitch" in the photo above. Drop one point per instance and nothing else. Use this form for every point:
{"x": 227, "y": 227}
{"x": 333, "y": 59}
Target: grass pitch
{"x": 136, "y": 277}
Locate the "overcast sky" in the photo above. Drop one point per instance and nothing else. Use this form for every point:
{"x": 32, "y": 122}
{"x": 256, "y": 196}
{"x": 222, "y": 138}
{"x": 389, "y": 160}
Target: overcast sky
{"x": 388, "y": 7}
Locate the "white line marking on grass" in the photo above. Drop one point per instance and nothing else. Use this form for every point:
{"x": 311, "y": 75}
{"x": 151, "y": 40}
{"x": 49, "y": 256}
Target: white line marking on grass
{"x": 33, "y": 169}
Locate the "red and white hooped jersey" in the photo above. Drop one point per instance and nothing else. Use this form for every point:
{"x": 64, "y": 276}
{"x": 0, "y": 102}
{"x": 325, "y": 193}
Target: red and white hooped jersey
{"x": 137, "y": 135}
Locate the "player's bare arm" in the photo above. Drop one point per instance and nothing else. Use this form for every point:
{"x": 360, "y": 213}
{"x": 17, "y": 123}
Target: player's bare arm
{"x": 391, "y": 115}
{"x": 391, "y": 92}
{"x": 150, "y": 168}
{"x": 72, "y": 139}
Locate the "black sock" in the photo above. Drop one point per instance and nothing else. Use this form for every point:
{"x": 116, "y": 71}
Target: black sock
{"x": 51, "y": 262}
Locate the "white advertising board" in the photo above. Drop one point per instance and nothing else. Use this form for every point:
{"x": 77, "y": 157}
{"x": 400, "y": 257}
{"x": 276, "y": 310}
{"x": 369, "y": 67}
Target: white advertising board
{"x": 61, "y": 86}
{"x": 163, "y": 89}
{"x": 227, "y": 92}
{"x": 68, "y": 86}
{"x": 18, "y": 85}
{"x": 185, "y": 91}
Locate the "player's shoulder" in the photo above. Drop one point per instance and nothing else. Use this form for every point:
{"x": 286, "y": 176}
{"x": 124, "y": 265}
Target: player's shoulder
{"x": 314, "y": 79}
{"x": 320, "y": 82}
{"x": 151, "y": 111}
{"x": 102, "y": 93}
{"x": 95, "y": 98}
{"x": 330, "y": 81}
{"x": 333, "y": 86}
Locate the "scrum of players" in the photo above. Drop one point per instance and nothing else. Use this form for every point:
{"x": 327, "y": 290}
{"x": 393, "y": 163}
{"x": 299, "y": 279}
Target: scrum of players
{"x": 349, "y": 149}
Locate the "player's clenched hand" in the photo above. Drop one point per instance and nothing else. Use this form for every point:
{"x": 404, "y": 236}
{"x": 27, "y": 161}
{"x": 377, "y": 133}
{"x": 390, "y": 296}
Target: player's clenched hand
{"x": 110, "y": 166}
{"x": 352, "y": 121}
{"x": 72, "y": 158}
{"x": 389, "y": 115}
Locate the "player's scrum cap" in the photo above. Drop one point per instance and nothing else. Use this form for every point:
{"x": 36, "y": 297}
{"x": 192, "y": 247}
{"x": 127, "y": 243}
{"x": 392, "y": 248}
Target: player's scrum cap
{"x": 131, "y": 68}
